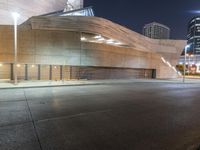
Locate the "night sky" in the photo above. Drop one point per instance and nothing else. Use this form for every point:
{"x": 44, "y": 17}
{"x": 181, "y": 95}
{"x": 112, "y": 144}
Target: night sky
{"x": 134, "y": 14}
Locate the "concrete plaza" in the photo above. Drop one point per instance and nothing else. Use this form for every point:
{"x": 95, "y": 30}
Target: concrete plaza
{"x": 145, "y": 115}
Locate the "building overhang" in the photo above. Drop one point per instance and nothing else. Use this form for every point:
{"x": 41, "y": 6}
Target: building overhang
{"x": 107, "y": 29}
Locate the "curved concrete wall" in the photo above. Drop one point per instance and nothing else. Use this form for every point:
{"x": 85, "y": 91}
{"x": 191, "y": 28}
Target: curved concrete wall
{"x": 56, "y": 41}
{"x": 170, "y": 50}
{"x": 27, "y": 8}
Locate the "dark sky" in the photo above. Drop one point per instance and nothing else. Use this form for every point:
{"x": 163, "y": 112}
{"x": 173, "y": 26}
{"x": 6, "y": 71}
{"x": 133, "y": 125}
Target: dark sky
{"x": 134, "y": 14}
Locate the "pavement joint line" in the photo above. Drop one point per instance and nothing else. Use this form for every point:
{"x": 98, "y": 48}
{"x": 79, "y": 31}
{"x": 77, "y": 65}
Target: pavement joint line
{"x": 55, "y": 118}
{"x": 11, "y": 101}
{"x": 98, "y": 83}
{"x": 31, "y": 115}
{"x": 52, "y": 86}
{"x": 16, "y": 124}
{"x": 49, "y": 86}
{"x": 74, "y": 116}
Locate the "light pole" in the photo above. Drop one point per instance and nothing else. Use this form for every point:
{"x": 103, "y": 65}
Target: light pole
{"x": 15, "y": 17}
{"x": 185, "y": 51}
{"x": 189, "y": 68}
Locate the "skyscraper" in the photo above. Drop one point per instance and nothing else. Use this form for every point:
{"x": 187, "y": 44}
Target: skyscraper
{"x": 156, "y": 30}
{"x": 193, "y": 35}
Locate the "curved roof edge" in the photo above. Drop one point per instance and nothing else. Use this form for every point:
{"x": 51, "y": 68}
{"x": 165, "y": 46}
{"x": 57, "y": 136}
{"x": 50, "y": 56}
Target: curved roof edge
{"x": 105, "y": 28}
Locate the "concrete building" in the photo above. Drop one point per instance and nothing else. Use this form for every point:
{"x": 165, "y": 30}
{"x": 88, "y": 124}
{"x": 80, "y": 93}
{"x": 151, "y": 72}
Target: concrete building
{"x": 156, "y": 30}
{"x": 84, "y": 47}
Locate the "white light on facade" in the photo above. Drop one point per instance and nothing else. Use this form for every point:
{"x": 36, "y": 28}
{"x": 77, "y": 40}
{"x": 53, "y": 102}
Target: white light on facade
{"x": 174, "y": 69}
{"x": 83, "y": 39}
{"x": 110, "y": 41}
{"x": 169, "y": 64}
{"x": 97, "y": 37}
{"x": 101, "y": 39}
{"x": 163, "y": 60}
{"x": 92, "y": 41}
{"x": 118, "y": 43}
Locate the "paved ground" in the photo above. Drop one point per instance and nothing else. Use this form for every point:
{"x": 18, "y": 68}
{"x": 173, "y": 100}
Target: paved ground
{"x": 4, "y": 84}
{"x": 123, "y": 116}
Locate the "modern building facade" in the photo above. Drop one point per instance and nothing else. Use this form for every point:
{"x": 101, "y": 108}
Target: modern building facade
{"x": 156, "y": 30}
{"x": 193, "y": 52}
{"x": 193, "y": 36}
{"x": 57, "y": 47}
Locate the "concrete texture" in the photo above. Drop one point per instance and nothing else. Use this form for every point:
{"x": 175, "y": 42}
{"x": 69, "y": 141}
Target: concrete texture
{"x": 29, "y": 8}
{"x": 38, "y": 84}
{"x": 142, "y": 52}
{"x": 142, "y": 115}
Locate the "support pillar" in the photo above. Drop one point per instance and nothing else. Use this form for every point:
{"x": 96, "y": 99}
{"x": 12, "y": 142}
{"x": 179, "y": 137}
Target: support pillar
{"x": 39, "y": 72}
{"x": 26, "y": 72}
{"x": 154, "y": 74}
{"x": 11, "y": 72}
{"x": 70, "y": 72}
{"x": 61, "y": 72}
{"x": 50, "y": 72}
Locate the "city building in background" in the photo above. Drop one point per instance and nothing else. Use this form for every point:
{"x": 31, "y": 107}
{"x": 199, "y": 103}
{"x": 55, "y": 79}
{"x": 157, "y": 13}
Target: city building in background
{"x": 156, "y": 30}
{"x": 193, "y": 36}
{"x": 193, "y": 52}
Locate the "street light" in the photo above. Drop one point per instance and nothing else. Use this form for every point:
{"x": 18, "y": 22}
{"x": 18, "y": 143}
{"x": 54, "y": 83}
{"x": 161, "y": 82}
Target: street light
{"x": 15, "y": 16}
{"x": 185, "y": 51}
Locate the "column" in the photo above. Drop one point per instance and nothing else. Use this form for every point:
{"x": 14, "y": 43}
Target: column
{"x": 61, "y": 72}
{"x": 39, "y": 72}
{"x": 26, "y": 72}
{"x": 50, "y": 72}
{"x": 11, "y": 72}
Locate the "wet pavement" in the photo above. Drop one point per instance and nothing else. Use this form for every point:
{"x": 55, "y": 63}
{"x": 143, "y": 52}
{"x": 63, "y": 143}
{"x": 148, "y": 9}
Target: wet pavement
{"x": 115, "y": 116}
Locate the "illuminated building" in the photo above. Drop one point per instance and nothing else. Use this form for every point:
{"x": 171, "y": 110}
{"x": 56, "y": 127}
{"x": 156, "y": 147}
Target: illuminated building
{"x": 156, "y": 30}
{"x": 74, "y": 44}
